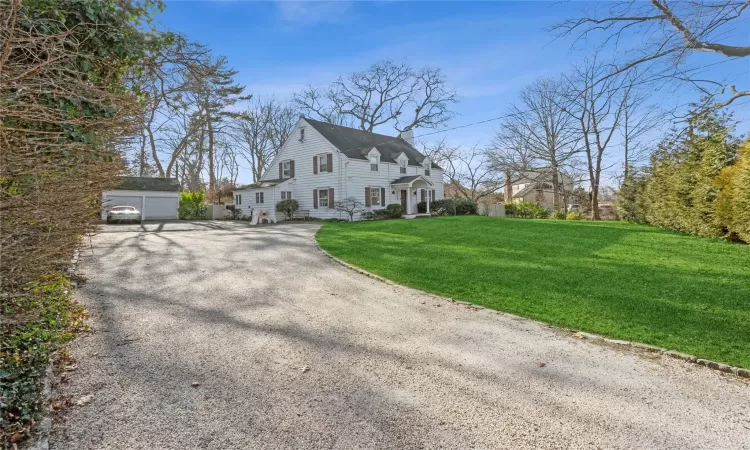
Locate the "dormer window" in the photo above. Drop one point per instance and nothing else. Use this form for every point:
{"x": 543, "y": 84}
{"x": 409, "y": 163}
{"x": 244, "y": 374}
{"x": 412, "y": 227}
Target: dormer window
{"x": 402, "y": 166}
{"x": 374, "y": 160}
{"x": 426, "y": 164}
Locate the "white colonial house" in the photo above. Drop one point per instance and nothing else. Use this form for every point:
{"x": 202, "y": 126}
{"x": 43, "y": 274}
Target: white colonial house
{"x": 321, "y": 163}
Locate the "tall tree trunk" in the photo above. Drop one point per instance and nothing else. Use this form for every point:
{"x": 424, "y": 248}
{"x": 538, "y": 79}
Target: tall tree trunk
{"x": 555, "y": 185}
{"x": 211, "y": 173}
{"x": 258, "y": 169}
{"x": 142, "y": 156}
{"x": 508, "y": 186}
{"x": 626, "y": 139}
{"x": 152, "y": 142}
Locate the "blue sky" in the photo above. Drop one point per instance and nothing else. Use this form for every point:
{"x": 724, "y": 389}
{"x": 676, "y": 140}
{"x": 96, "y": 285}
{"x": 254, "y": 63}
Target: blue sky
{"x": 488, "y": 50}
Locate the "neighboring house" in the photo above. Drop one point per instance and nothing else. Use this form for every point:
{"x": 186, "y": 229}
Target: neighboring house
{"x": 536, "y": 187}
{"x": 156, "y": 198}
{"x": 321, "y": 163}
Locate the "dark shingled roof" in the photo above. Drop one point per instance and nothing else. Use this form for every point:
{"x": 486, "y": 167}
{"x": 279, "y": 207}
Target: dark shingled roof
{"x": 407, "y": 179}
{"x": 356, "y": 144}
{"x": 262, "y": 184}
{"x": 149, "y": 184}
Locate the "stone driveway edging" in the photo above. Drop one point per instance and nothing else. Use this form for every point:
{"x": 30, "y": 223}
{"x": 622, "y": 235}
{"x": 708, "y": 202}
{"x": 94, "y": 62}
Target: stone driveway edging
{"x": 732, "y": 370}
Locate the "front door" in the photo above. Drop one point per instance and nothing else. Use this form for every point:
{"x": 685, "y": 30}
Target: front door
{"x": 403, "y": 201}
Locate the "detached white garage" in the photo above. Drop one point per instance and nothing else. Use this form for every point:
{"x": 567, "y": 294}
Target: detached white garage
{"x": 155, "y": 198}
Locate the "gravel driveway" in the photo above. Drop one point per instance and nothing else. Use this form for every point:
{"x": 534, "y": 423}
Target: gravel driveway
{"x": 220, "y": 336}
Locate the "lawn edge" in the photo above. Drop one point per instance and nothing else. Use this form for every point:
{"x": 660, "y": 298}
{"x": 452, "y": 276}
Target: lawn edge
{"x": 739, "y": 372}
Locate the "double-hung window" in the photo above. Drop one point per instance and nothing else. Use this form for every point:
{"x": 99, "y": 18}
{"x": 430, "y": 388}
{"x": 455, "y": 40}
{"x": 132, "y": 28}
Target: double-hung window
{"x": 374, "y": 163}
{"x": 237, "y": 199}
{"x": 286, "y": 195}
{"x": 323, "y": 198}
{"x": 323, "y": 163}
{"x": 402, "y": 166}
{"x": 375, "y": 196}
{"x": 427, "y": 170}
{"x": 286, "y": 168}
{"x": 258, "y": 197}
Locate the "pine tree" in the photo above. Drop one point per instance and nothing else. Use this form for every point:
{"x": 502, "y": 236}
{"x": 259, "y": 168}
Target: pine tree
{"x": 680, "y": 191}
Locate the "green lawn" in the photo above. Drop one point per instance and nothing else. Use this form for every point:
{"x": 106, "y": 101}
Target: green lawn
{"x": 617, "y": 279}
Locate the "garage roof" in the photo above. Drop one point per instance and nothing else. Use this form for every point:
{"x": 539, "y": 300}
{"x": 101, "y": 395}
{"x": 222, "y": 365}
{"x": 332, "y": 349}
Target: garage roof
{"x": 148, "y": 184}
{"x": 262, "y": 184}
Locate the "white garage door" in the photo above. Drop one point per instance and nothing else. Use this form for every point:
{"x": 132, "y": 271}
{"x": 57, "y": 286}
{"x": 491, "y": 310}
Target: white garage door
{"x": 123, "y": 201}
{"x": 161, "y": 208}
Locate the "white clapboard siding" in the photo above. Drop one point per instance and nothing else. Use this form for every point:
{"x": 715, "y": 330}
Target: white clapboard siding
{"x": 348, "y": 178}
{"x": 305, "y": 181}
{"x": 359, "y": 176}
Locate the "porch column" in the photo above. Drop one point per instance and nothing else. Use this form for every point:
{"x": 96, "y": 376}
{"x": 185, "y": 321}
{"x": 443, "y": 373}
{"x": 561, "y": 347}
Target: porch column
{"x": 428, "y": 201}
{"x": 408, "y": 200}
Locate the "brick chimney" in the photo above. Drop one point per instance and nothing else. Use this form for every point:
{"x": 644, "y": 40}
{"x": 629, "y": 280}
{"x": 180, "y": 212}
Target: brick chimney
{"x": 408, "y": 136}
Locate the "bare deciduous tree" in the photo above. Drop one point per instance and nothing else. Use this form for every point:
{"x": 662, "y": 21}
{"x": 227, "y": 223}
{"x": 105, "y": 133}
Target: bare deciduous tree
{"x": 638, "y": 119}
{"x": 386, "y": 93}
{"x": 540, "y": 134}
{"x": 597, "y": 108}
{"x": 469, "y": 172}
{"x": 261, "y": 130}
{"x": 350, "y": 206}
{"x": 509, "y": 155}
{"x": 672, "y": 30}
{"x": 161, "y": 80}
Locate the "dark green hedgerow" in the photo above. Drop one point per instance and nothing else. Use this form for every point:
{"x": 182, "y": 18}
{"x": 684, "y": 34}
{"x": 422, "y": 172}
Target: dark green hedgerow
{"x": 35, "y": 325}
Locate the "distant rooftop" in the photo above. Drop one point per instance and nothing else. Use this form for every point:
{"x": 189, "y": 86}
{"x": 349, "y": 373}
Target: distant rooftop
{"x": 149, "y": 184}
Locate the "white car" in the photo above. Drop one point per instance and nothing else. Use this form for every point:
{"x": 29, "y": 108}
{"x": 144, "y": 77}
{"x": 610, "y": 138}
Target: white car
{"x": 123, "y": 214}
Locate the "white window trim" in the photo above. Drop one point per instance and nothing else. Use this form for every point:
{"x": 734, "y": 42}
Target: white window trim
{"x": 237, "y": 199}
{"x": 403, "y": 166}
{"x": 286, "y": 169}
{"x": 376, "y": 164}
{"x": 323, "y": 162}
{"x": 320, "y": 192}
{"x": 261, "y": 197}
{"x": 380, "y": 200}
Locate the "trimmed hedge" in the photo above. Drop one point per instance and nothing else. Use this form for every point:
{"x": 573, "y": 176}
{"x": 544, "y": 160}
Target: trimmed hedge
{"x": 395, "y": 210}
{"x": 526, "y": 210}
{"x": 288, "y": 207}
{"x": 450, "y": 207}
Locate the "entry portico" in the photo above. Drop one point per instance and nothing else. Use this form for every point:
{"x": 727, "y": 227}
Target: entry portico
{"x": 408, "y": 189}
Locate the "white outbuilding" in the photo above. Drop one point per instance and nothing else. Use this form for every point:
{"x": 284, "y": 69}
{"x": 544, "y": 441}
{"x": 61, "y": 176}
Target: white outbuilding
{"x": 156, "y": 198}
